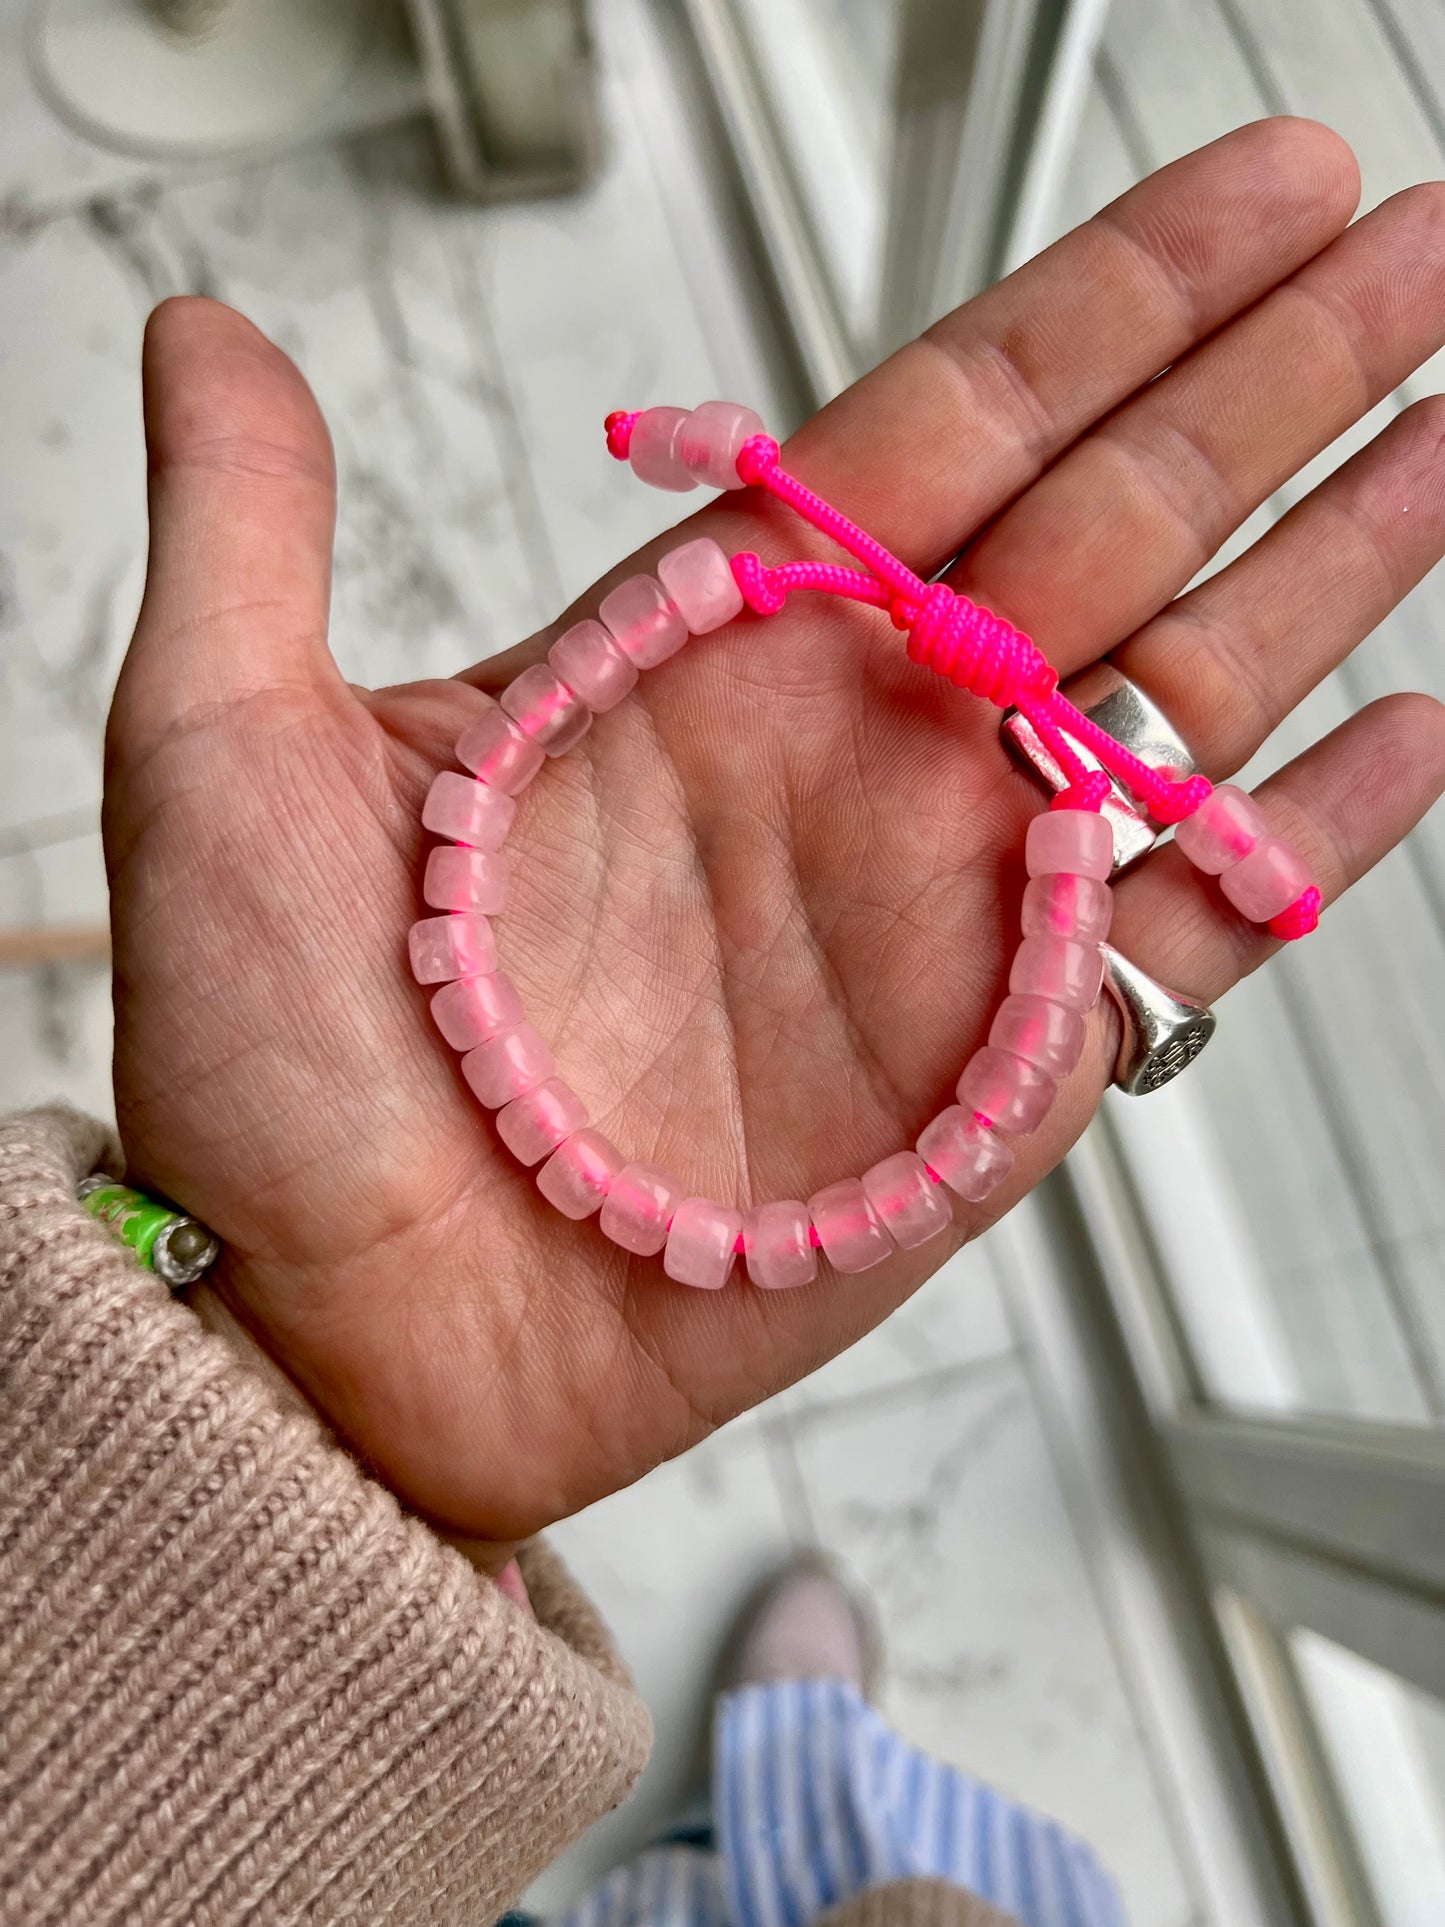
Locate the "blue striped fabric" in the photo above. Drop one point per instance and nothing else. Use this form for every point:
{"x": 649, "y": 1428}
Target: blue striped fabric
{"x": 815, "y": 1799}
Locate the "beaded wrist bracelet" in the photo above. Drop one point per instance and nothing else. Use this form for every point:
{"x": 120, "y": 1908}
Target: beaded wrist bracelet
{"x": 1007, "y": 1086}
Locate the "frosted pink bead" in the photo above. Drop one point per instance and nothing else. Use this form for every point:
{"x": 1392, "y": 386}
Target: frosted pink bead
{"x": 639, "y": 1207}
{"x": 913, "y": 1208}
{"x": 1222, "y": 831}
{"x": 700, "y": 581}
{"x": 546, "y": 710}
{"x": 851, "y": 1232}
{"x": 468, "y": 812}
{"x": 577, "y": 1175}
{"x": 643, "y": 622}
{"x": 473, "y": 1009}
{"x": 589, "y": 661}
{"x": 1003, "y": 1091}
{"x": 1040, "y": 1031}
{"x": 496, "y": 750}
{"x": 777, "y": 1246}
{"x": 701, "y": 1243}
{"x": 1065, "y": 906}
{"x": 1054, "y": 967}
{"x": 1266, "y": 881}
{"x": 514, "y": 1061}
{"x": 461, "y": 879}
{"x": 712, "y": 438}
{"x": 445, "y": 947}
{"x": 1077, "y": 842}
{"x": 653, "y": 449}
{"x": 535, "y": 1123}
{"x": 965, "y": 1154}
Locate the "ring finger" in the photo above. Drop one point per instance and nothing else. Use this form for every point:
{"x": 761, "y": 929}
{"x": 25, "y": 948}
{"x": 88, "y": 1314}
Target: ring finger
{"x": 1229, "y": 661}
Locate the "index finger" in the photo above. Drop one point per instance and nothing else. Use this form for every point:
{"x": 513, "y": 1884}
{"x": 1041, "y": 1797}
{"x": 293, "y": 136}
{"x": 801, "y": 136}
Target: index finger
{"x": 956, "y": 423}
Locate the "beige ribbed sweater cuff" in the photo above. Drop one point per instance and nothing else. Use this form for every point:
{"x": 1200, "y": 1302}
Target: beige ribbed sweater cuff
{"x": 237, "y": 1682}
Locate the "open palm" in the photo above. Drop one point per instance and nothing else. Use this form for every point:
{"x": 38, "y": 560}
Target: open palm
{"x": 763, "y": 911}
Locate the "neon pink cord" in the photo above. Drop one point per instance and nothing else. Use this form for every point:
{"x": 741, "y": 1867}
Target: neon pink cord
{"x": 969, "y": 645}
{"x": 951, "y": 634}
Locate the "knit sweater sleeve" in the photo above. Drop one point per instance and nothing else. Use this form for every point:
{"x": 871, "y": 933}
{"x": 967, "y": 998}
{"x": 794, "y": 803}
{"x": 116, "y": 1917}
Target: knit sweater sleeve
{"x": 239, "y": 1683}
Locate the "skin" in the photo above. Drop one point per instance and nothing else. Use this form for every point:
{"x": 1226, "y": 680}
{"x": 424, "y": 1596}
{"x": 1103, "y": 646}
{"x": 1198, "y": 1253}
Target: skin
{"x": 763, "y": 912}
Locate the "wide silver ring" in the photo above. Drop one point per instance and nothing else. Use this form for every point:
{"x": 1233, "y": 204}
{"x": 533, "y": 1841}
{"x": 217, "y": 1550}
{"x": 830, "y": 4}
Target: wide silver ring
{"x": 1163, "y": 1032}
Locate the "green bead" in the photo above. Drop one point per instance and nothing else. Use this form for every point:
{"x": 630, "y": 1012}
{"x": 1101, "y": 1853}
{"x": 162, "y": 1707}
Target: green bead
{"x": 134, "y": 1218}
{"x": 166, "y": 1241}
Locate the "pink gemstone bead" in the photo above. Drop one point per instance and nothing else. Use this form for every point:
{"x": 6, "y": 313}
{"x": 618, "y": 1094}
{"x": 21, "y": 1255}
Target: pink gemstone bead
{"x": 589, "y": 661}
{"x": 777, "y": 1246}
{"x": 468, "y": 812}
{"x": 643, "y": 622}
{"x": 1222, "y": 831}
{"x": 577, "y": 1176}
{"x": 1003, "y": 1091}
{"x": 913, "y": 1208}
{"x": 1054, "y": 967}
{"x": 1040, "y": 1031}
{"x": 496, "y": 750}
{"x": 851, "y": 1232}
{"x": 535, "y": 1123}
{"x": 461, "y": 879}
{"x": 1078, "y": 842}
{"x": 1266, "y": 881}
{"x": 639, "y": 1207}
{"x": 546, "y": 710}
{"x": 712, "y": 439}
{"x": 699, "y": 578}
{"x": 445, "y": 947}
{"x": 508, "y": 1064}
{"x": 473, "y": 1009}
{"x": 701, "y": 1244}
{"x": 1065, "y": 906}
{"x": 653, "y": 450}
{"x": 965, "y": 1154}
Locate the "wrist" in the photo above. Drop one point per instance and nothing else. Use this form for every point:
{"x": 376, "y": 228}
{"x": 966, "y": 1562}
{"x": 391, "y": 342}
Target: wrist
{"x": 215, "y": 1314}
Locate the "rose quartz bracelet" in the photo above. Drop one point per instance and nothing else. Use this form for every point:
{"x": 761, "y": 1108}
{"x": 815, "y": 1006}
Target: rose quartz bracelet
{"x": 1038, "y": 1033}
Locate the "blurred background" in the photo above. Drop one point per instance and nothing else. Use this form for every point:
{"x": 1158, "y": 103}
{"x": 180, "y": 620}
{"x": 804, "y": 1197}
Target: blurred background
{"x": 1149, "y": 1484}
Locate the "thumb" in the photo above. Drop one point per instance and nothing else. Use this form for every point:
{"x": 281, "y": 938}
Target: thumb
{"x": 242, "y": 496}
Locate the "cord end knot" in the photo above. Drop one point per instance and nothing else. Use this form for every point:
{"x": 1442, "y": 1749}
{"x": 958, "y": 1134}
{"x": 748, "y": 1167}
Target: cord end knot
{"x": 1171, "y": 801}
{"x": 1299, "y": 918}
{"x": 758, "y": 456}
{"x": 759, "y": 591}
{"x": 619, "y": 425}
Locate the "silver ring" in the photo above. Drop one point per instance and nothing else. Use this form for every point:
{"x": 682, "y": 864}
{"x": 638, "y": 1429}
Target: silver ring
{"x": 1163, "y": 1032}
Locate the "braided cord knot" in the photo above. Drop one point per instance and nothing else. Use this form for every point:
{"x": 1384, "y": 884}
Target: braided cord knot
{"x": 758, "y": 457}
{"x": 1299, "y": 918}
{"x": 972, "y": 647}
{"x": 619, "y": 425}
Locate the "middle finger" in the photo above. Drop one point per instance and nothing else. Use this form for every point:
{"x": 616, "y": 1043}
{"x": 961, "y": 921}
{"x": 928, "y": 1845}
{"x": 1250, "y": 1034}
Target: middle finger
{"x": 1119, "y": 525}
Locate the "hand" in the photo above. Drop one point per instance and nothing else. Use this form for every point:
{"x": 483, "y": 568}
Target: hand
{"x": 764, "y": 910}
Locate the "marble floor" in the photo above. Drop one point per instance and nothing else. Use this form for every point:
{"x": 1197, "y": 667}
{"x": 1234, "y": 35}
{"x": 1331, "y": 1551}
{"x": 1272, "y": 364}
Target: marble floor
{"x": 463, "y": 358}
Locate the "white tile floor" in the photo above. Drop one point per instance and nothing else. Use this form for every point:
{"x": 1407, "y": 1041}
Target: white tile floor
{"x": 464, "y": 359}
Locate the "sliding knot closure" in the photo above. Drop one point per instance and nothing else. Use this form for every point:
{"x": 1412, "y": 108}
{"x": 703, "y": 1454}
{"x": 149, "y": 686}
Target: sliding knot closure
{"x": 975, "y": 649}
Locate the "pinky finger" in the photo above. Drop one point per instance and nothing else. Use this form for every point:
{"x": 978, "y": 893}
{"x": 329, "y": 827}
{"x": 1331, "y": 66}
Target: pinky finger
{"x": 1344, "y": 804}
